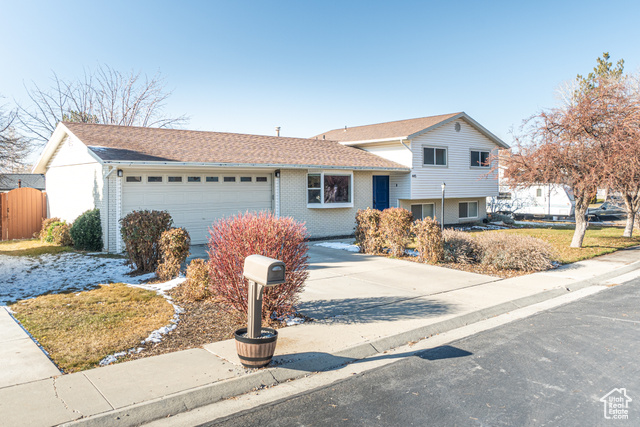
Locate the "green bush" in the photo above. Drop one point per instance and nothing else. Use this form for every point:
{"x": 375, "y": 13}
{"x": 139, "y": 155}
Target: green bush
{"x": 141, "y": 231}
{"x": 46, "y": 223}
{"x": 58, "y": 234}
{"x": 460, "y": 247}
{"x": 428, "y": 238}
{"x": 174, "y": 250}
{"x": 368, "y": 231}
{"x": 86, "y": 231}
{"x": 395, "y": 228}
{"x": 514, "y": 252}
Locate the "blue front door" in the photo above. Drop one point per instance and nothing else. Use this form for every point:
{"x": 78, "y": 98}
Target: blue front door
{"x": 380, "y": 192}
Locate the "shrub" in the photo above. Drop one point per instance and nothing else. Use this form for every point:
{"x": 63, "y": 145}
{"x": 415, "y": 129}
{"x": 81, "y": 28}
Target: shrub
{"x": 514, "y": 252}
{"x": 460, "y": 247}
{"x": 86, "y": 231}
{"x": 141, "y": 231}
{"x": 233, "y": 239}
{"x": 174, "y": 250}
{"x": 428, "y": 237}
{"x": 196, "y": 287}
{"x": 395, "y": 227}
{"x": 496, "y": 217}
{"x": 59, "y": 234}
{"x": 368, "y": 231}
{"x": 46, "y": 223}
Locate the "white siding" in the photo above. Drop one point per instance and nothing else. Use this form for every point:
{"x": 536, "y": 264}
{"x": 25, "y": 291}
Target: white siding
{"x": 74, "y": 181}
{"x": 399, "y": 187}
{"x": 393, "y": 151}
{"x": 462, "y": 180}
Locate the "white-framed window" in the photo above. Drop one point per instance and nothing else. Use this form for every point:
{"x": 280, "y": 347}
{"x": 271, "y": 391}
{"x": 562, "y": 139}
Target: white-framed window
{"x": 174, "y": 179}
{"x": 539, "y": 192}
{"x": 212, "y": 179}
{"x": 424, "y": 210}
{"x": 131, "y": 178}
{"x": 194, "y": 179}
{"x": 467, "y": 210}
{"x": 154, "y": 178}
{"x": 480, "y": 159}
{"x": 329, "y": 189}
{"x": 434, "y": 156}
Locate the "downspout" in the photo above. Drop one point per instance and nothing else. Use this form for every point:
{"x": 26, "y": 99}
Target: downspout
{"x": 405, "y": 145}
{"x": 408, "y": 148}
{"x": 108, "y": 187}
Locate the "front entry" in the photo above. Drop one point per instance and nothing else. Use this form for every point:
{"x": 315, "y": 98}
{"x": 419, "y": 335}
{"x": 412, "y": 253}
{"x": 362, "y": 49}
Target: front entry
{"x": 380, "y": 192}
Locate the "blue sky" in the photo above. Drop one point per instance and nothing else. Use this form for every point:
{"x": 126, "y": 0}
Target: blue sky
{"x": 248, "y": 66}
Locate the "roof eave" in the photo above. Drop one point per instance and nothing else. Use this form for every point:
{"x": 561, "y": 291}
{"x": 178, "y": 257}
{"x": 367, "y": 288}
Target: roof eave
{"x": 250, "y": 165}
{"x": 373, "y": 141}
{"x": 52, "y": 145}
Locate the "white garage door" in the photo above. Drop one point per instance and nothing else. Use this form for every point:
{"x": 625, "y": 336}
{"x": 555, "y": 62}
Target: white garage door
{"x": 197, "y": 200}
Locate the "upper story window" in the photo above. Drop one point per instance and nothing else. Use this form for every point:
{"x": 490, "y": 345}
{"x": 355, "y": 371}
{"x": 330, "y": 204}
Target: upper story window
{"x": 434, "y": 156}
{"x": 480, "y": 159}
{"x": 329, "y": 190}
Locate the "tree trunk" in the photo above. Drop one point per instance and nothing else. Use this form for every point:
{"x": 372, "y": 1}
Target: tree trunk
{"x": 628, "y": 229}
{"x": 631, "y": 202}
{"x": 581, "y": 228}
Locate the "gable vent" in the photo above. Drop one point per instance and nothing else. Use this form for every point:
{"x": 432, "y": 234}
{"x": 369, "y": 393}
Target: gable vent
{"x": 457, "y": 127}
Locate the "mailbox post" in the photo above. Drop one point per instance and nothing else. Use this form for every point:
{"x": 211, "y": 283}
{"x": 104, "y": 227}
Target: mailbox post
{"x": 255, "y": 350}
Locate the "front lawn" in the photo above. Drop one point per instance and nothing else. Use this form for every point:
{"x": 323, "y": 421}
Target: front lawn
{"x": 32, "y": 247}
{"x": 80, "y": 329}
{"x": 597, "y": 241}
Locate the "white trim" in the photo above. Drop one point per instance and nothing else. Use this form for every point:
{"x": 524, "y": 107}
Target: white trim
{"x": 276, "y": 195}
{"x": 435, "y": 147}
{"x": 322, "y": 204}
{"x": 119, "y": 242}
{"x": 467, "y": 202}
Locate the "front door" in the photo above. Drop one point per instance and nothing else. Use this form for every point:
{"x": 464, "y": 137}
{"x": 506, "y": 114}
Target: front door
{"x": 380, "y": 192}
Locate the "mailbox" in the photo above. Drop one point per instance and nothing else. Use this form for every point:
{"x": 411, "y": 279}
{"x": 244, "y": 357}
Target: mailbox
{"x": 263, "y": 270}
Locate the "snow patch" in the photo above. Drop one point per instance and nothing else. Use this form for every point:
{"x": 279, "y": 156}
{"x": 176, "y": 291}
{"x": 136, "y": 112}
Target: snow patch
{"x": 339, "y": 245}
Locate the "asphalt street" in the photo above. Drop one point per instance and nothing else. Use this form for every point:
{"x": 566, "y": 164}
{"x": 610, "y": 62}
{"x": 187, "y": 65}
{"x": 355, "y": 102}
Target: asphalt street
{"x": 550, "y": 369}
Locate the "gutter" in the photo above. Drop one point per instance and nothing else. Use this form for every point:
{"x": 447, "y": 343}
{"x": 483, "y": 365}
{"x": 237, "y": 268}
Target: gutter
{"x": 405, "y": 146}
{"x": 248, "y": 165}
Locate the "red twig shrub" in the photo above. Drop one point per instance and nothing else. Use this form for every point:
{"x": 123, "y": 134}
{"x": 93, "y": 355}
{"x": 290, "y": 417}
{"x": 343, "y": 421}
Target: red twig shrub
{"x": 428, "y": 238}
{"x": 395, "y": 227}
{"x": 368, "y": 231}
{"x": 233, "y": 239}
{"x": 196, "y": 287}
{"x": 460, "y": 247}
{"x": 174, "y": 250}
{"x": 46, "y": 223}
{"x": 513, "y": 252}
{"x": 141, "y": 231}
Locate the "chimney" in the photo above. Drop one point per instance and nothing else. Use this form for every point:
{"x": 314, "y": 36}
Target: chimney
{"x": 277, "y": 130}
{"x": 345, "y": 128}
{"x": 19, "y": 183}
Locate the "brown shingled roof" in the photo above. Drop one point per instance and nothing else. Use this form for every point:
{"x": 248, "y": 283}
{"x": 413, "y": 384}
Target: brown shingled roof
{"x": 127, "y": 143}
{"x": 397, "y": 129}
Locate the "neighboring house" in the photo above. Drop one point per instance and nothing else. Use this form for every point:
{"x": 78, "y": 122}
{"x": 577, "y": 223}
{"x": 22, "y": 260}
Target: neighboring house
{"x": 11, "y": 181}
{"x": 453, "y": 149}
{"x": 546, "y": 200}
{"x": 200, "y": 177}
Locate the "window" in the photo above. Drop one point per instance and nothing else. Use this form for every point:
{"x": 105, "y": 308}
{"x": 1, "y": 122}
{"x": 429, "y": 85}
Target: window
{"x": 134, "y": 179}
{"x": 468, "y": 210}
{"x": 175, "y": 179}
{"x": 329, "y": 189}
{"x": 261, "y": 179}
{"x": 504, "y": 196}
{"x": 229, "y": 179}
{"x": 154, "y": 179}
{"x": 212, "y": 179}
{"x": 435, "y": 156}
{"x": 539, "y": 192}
{"x": 194, "y": 179}
{"x": 480, "y": 159}
{"x": 423, "y": 211}
{"x": 245, "y": 179}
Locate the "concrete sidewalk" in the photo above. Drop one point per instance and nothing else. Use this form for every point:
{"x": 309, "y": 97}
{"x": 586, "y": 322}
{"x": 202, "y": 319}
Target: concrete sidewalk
{"x": 365, "y": 305}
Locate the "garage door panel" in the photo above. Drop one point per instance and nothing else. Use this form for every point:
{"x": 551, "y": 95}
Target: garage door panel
{"x": 196, "y": 206}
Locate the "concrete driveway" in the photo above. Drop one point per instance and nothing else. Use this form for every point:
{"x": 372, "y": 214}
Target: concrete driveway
{"x": 343, "y": 283}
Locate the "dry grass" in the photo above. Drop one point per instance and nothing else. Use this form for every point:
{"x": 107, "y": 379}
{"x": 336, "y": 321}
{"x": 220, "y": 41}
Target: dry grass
{"x": 598, "y": 241}
{"x": 33, "y": 247}
{"x": 79, "y": 329}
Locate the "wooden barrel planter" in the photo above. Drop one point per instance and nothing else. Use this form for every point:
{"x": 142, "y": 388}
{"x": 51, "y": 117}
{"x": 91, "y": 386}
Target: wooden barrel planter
{"x": 255, "y": 352}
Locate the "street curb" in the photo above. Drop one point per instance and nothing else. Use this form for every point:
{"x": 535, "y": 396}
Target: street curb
{"x": 187, "y": 400}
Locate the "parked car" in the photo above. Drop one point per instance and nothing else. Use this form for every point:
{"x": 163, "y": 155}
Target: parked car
{"x": 606, "y": 210}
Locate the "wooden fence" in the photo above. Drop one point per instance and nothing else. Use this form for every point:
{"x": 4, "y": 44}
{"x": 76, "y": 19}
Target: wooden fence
{"x": 22, "y": 211}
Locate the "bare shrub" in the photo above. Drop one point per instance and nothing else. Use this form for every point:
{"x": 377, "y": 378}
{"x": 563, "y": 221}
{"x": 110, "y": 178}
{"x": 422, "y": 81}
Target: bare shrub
{"x": 46, "y": 223}
{"x": 395, "y": 228}
{"x": 368, "y": 231}
{"x": 196, "y": 287}
{"x": 460, "y": 247}
{"x": 174, "y": 250}
{"x": 141, "y": 231}
{"x": 428, "y": 238}
{"x": 59, "y": 234}
{"x": 514, "y": 252}
{"x": 233, "y": 239}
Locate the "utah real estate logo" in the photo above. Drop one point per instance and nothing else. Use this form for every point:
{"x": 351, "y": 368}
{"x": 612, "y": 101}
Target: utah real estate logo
{"x": 616, "y": 404}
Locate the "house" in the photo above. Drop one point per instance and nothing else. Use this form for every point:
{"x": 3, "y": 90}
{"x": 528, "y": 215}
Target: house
{"x": 200, "y": 177}
{"x": 11, "y": 181}
{"x": 451, "y": 149}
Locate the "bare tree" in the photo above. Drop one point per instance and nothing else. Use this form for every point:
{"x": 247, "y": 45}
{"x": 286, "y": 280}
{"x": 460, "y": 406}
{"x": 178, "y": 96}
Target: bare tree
{"x": 104, "y": 96}
{"x": 14, "y": 148}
